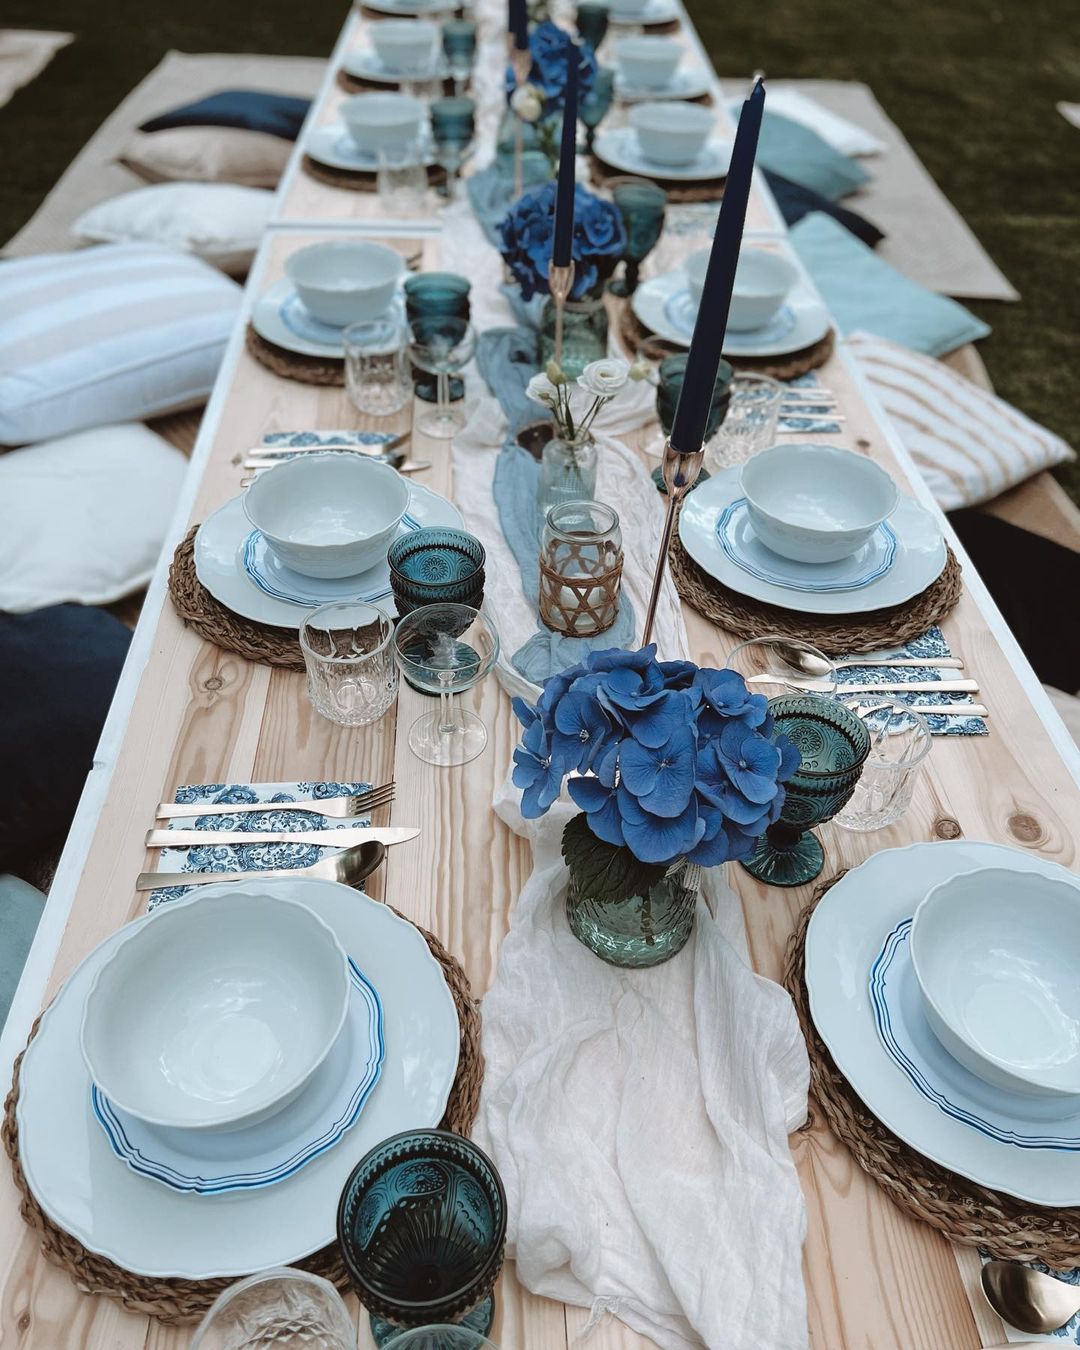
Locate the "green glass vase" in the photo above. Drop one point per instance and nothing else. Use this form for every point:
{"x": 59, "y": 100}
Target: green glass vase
{"x": 643, "y": 930}
{"x": 585, "y": 333}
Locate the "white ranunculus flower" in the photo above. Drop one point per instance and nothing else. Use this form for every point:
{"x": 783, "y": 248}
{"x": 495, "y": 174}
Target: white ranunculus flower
{"x": 528, "y": 102}
{"x": 541, "y": 390}
{"x": 604, "y": 379}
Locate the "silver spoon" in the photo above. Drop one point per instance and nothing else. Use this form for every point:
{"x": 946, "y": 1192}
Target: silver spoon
{"x": 1028, "y": 1299}
{"x": 350, "y": 866}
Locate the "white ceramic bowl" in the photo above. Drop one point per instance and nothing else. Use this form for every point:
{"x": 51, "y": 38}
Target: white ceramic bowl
{"x": 815, "y": 503}
{"x": 628, "y": 9}
{"x": 672, "y": 133}
{"x": 648, "y": 62}
{"x": 217, "y": 1012}
{"x": 762, "y": 283}
{"x": 382, "y": 121}
{"x": 695, "y": 267}
{"x": 996, "y": 955}
{"x": 330, "y": 515}
{"x": 405, "y": 45}
{"x": 343, "y": 282}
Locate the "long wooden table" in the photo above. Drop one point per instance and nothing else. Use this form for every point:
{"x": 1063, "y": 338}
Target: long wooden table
{"x": 189, "y": 712}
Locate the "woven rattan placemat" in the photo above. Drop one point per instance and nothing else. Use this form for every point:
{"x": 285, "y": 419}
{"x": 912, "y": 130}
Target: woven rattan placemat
{"x": 1009, "y": 1229}
{"x": 175, "y": 1301}
{"x": 836, "y": 634}
{"x": 353, "y": 84}
{"x": 678, "y": 191}
{"x": 294, "y": 365}
{"x": 357, "y": 180}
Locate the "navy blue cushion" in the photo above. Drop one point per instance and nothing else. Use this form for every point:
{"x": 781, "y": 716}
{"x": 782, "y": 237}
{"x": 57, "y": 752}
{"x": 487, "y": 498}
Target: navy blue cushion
{"x": 795, "y": 201}
{"x": 252, "y": 109}
{"x": 58, "y": 670}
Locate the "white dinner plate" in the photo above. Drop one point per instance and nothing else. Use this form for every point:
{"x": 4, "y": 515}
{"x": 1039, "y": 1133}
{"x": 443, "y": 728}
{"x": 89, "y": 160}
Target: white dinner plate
{"x": 844, "y": 940}
{"x": 212, "y": 1162}
{"x": 333, "y": 146}
{"x": 280, "y": 316}
{"x": 220, "y": 545}
{"x": 655, "y": 11}
{"x": 408, "y": 9}
{"x": 745, "y": 549}
{"x": 620, "y": 149}
{"x": 920, "y": 555}
{"x": 152, "y": 1230}
{"x": 683, "y": 84}
{"x": 664, "y": 304}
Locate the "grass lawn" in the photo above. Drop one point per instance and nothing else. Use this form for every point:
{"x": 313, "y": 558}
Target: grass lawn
{"x": 971, "y": 83}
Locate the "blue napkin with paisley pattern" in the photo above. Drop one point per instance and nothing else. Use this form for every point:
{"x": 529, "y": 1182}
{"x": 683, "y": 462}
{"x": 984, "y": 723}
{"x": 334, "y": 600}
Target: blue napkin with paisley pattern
{"x": 931, "y": 646}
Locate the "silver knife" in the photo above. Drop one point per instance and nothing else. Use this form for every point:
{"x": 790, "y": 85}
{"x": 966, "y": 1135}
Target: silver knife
{"x": 916, "y": 687}
{"x": 344, "y": 838}
{"x": 941, "y": 709}
{"x": 929, "y": 663}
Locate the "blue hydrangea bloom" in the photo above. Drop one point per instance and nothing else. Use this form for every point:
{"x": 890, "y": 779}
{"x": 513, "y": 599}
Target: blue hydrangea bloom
{"x": 527, "y": 235}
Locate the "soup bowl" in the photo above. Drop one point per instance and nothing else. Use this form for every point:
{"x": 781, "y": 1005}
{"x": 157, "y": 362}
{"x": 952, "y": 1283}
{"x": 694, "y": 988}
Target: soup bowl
{"x": 405, "y": 45}
{"x": 671, "y": 133}
{"x": 648, "y": 62}
{"x": 382, "y": 121}
{"x": 344, "y": 282}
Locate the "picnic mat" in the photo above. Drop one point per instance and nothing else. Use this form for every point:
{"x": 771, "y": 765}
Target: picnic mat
{"x": 24, "y": 54}
{"x": 926, "y": 238}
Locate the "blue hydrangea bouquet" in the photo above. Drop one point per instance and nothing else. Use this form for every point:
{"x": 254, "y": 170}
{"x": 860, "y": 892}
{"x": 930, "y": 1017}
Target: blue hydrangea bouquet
{"x": 528, "y": 238}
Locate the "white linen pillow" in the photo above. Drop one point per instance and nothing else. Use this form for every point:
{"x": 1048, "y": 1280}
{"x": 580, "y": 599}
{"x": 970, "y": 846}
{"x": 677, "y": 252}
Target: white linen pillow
{"x": 207, "y": 155}
{"x": 967, "y": 443}
{"x": 83, "y": 518}
{"x": 218, "y": 222}
{"x": 120, "y": 332}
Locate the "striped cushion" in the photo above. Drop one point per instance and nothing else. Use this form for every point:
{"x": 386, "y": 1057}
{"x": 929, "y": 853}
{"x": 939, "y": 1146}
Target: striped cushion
{"x": 968, "y": 444}
{"x": 116, "y": 333}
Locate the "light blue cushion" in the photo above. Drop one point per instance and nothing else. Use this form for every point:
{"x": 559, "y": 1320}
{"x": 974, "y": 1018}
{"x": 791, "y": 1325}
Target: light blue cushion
{"x": 800, "y": 155}
{"x": 20, "y": 910}
{"x": 863, "y": 292}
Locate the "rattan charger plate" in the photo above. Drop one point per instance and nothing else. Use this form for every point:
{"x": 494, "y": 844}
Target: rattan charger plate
{"x": 677, "y": 189}
{"x": 1009, "y": 1229}
{"x": 324, "y": 370}
{"x": 175, "y": 1301}
{"x": 356, "y": 180}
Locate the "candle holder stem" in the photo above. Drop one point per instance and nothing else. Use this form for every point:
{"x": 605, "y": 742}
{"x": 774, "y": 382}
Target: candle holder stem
{"x": 560, "y": 283}
{"x": 680, "y": 475}
{"x": 519, "y": 155}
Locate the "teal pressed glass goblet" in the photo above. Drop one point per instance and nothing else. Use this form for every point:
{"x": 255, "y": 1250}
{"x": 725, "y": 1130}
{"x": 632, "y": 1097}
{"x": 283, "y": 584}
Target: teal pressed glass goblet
{"x": 671, "y": 372}
{"x": 459, "y": 48}
{"x": 597, "y": 104}
{"x": 592, "y": 23}
{"x": 642, "y": 206}
{"x": 436, "y": 566}
{"x": 453, "y": 126}
{"x": 834, "y": 743}
{"x": 433, "y": 295}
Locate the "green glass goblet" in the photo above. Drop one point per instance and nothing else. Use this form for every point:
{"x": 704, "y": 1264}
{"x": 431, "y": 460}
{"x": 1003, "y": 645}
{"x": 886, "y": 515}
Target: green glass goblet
{"x": 459, "y": 48}
{"x": 834, "y": 743}
{"x": 642, "y": 206}
{"x": 453, "y": 126}
{"x": 430, "y": 295}
{"x": 597, "y": 104}
{"x": 592, "y": 22}
{"x": 671, "y": 371}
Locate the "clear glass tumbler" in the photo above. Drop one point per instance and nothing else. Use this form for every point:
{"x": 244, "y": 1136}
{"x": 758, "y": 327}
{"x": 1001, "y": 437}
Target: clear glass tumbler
{"x": 581, "y": 561}
{"x": 377, "y": 376}
{"x": 750, "y": 423}
{"x": 899, "y": 742}
{"x": 277, "y": 1308}
{"x": 351, "y": 675}
{"x": 402, "y": 179}
{"x": 773, "y": 665}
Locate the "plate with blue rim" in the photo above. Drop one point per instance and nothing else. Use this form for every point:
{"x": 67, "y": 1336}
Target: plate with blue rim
{"x": 365, "y": 64}
{"x": 216, "y": 1162}
{"x": 621, "y": 149}
{"x": 654, "y": 11}
{"x": 745, "y": 549}
{"x": 978, "y": 1132}
{"x": 333, "y": 146}
{"x": 276, "y": 595}
{"x": 281, "y": 317}
{"x": 693, "y": 83}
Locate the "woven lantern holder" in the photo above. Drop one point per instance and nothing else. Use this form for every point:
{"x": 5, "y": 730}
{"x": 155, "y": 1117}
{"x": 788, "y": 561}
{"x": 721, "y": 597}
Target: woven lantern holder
{"x": 575, "y": 604}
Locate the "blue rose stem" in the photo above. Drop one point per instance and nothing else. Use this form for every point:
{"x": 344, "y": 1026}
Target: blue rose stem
{"x": 684, "y": 448}
{"x": 561, "y": 269}
{"x": 521, "y": 64}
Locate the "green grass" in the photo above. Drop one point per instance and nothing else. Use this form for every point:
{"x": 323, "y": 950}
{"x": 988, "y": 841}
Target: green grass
{"x": 971, "y": 83}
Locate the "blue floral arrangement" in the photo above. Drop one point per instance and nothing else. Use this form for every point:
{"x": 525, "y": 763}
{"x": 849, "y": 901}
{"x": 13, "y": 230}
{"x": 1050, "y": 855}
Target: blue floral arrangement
{"x": 670, "y": 761}
{"x": 528, "y": 239}
{"x": 551, "y": 49}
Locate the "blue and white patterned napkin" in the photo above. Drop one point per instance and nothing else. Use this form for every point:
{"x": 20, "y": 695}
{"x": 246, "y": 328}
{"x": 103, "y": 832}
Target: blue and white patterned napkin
{"x": 305, "y": 438}
{"x": 810, "y": 414}
{"x": 931, "y": 645}
{"x": 253, "y": 857}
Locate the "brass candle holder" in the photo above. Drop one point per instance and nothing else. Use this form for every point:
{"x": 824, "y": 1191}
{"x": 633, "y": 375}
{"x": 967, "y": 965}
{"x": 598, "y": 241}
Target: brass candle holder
{"x": 560, "y": 283}
{"x": 680, "y": 474}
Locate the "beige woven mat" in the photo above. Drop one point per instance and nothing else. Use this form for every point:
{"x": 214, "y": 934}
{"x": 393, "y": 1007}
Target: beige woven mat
{"x": 926, "y": 237}
{"x": 94, "y": 175}
{"x": 24, "y": 54}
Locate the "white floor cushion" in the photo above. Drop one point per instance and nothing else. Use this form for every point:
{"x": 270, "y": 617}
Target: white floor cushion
{"x": 218, "y": 222}
{"x": 121, "y": 332}
{"x": 83, "y": 518}
{"x": 968, "y": 444}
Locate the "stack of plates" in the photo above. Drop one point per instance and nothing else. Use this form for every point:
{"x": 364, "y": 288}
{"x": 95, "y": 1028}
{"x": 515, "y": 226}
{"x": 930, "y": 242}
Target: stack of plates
{"x": 900, "y": 560}
{"x": 693, "y": 83}
{"x": 333, "y": 146}
{"x": 621, "y": 149}
{"x": 867, "y": 1008}
{"x": 170, "y": 1204}
{"x": 653, "y": 12}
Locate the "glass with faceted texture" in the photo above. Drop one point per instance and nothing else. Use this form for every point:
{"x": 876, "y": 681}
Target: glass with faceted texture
{"x": 592, "y": 22}
{"x": 436, "y": 566}
{"x": 899, "y": 742}
{"x": 596, "y": 104}
{"x": 428, "y": 295}
{"x": 671, "y": 372}
{"x": 750, "y": 422}
{"x": 277, "y": 1308}
{"x": 459, "y": 48}
{"x": 444, "y": 650}
{"x": 376, "y": 368}
{"x": 351, "y": 675}
{"x": 442, "y": 346}
{"x": 772, "y": 665}
{"x": 402, "y": 179}
{"x": 642, "y": 206}
{"x": 567, "y": 472}
{"x": 581, "y": 560}
{"x": 453, "y": 125}
{"x": 422, "y": 1227}
{"x": 441, "y": 1338}
{"x": 642, "y": 930}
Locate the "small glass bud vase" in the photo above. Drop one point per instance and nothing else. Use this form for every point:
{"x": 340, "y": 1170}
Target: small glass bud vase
{"x": 567, "y": 472}
{"x": 585, "y": 334}
{"x": 581, "y": 561}
{"x": 642, "y": 930}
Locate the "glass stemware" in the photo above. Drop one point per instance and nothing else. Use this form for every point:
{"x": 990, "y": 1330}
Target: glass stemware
{"x": 453, "y": 125}
{"x": 671, "y": 372}
{"x": 900, "y": 741}
{"x": 592, "y": 22}
{"x": 441, "y": 1338}
{"x": 436, "y": 566}
{"x": 445, "y": 649}
{"x": 597, "y": 104}
{"x": 773, "y": 665}
{"x": 459, "y": 48}
{"x": 422, "y": 1228}
{"x": 642, "y": 206}
{"x": 441, "y": 345}
{"x": 276, "y": 1308}
{"x": 376, "y": 372}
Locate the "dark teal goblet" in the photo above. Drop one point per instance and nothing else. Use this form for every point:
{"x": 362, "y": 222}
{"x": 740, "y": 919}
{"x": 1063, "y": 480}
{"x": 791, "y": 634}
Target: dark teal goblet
{"x": 436, "y": 566}
{"x": 642, "y": 206}
{"x": 671, "y": 371}
{"x": 597, "y": 104}
{"x": 833, "y": 742}
{"x": 422, "y": 1228}
{"x": 430, "y": 295}
{"x": 453, "y": 126}
{"x": 592, "y": 23}
{"x": 459, "y": 48}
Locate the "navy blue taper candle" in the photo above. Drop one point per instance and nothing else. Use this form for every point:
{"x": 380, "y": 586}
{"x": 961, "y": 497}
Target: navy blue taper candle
{"x": 564, "y": 192}
{"x": 519, "y": 24}
{"x": 703, "y": 361}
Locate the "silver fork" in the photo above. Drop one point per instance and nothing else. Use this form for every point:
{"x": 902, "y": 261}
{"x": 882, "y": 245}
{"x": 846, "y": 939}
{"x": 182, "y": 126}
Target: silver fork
{"x": 336, "y": 808}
